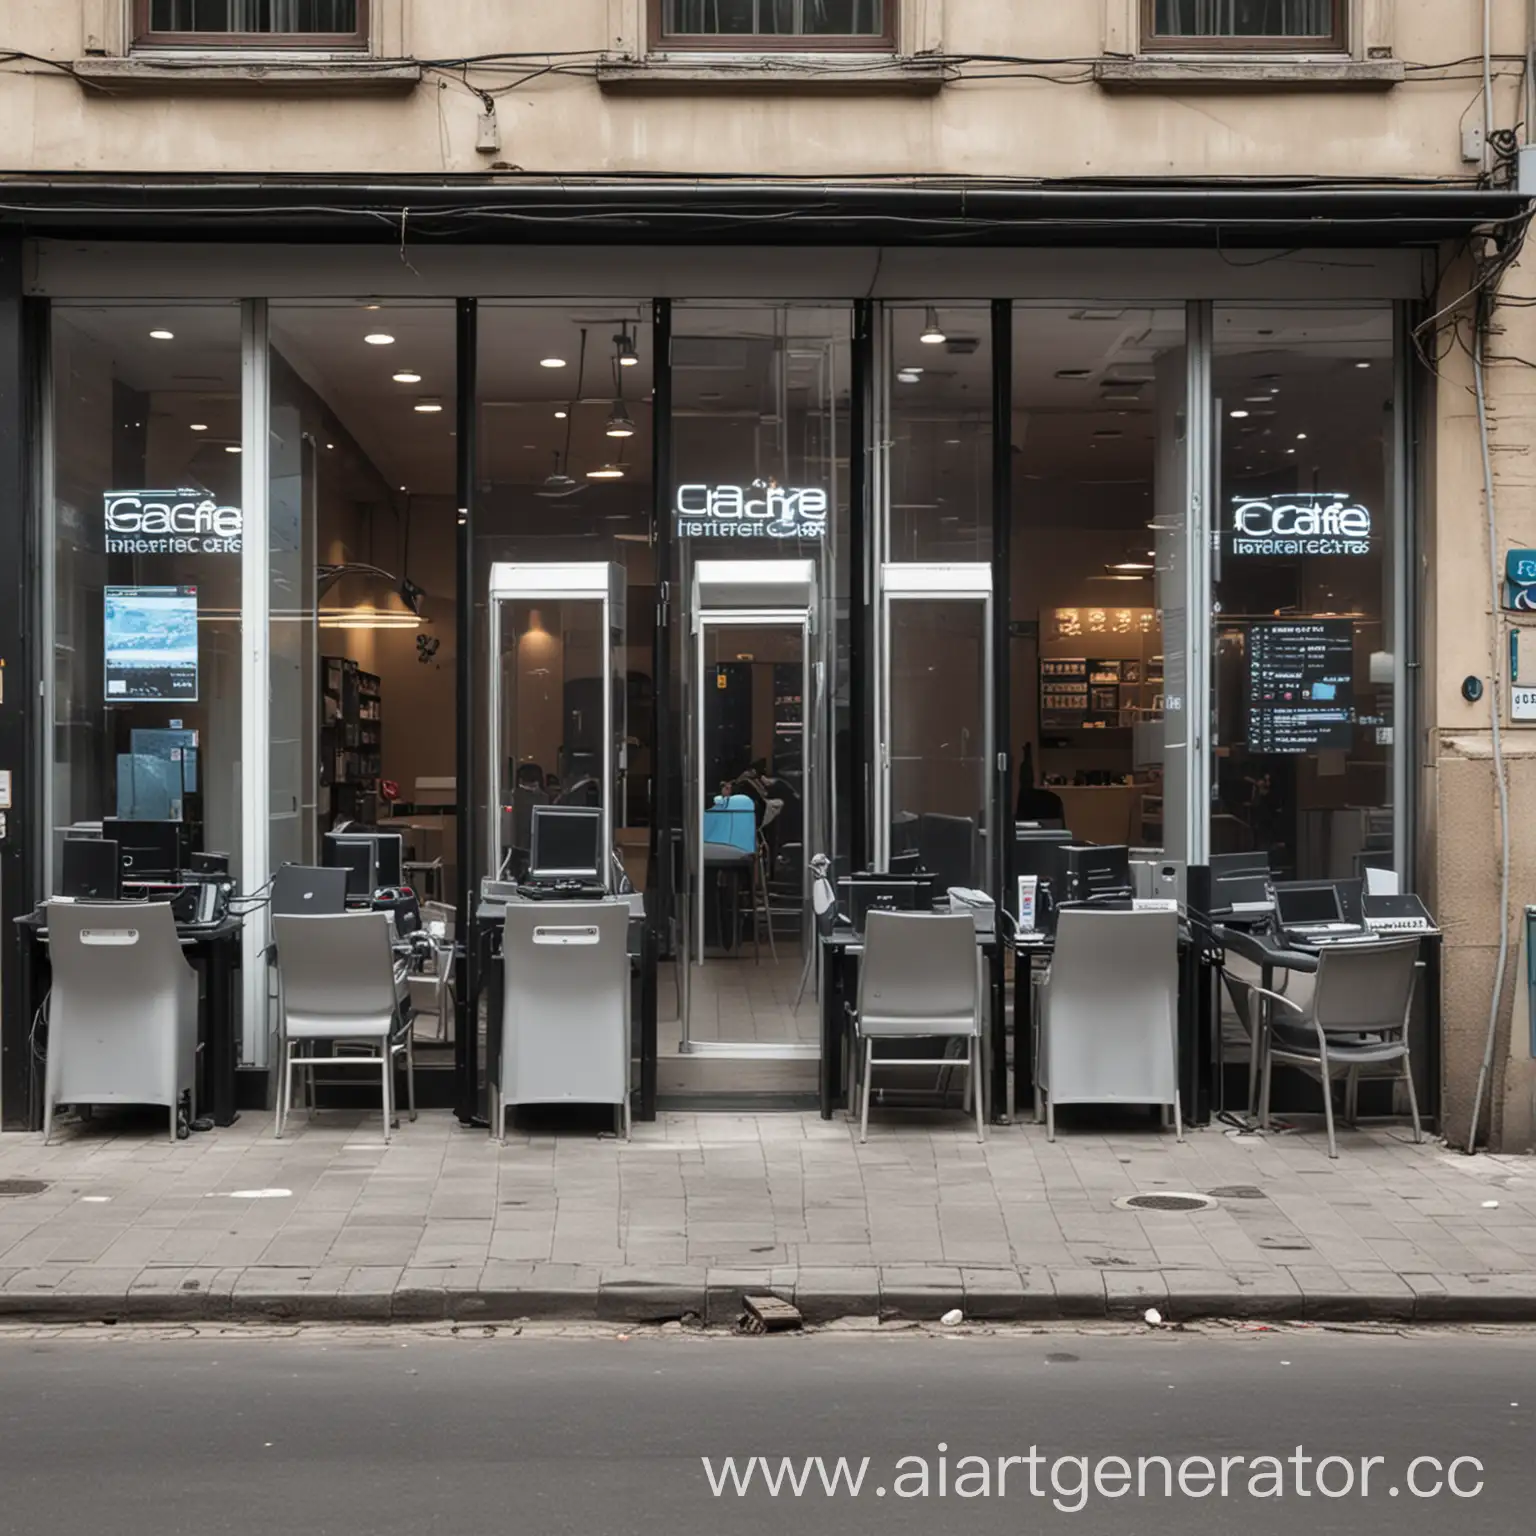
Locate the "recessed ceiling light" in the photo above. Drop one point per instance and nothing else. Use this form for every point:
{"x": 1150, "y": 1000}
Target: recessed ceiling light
{"x": 606, "y": 472}
{"x": 232, "y": 448}
{"x": 1301, "y": 437}
{"x": 1237, "y": 415}
{"x": 1362, "y": 364}
{"x": 1290, "y": 450}
{"x": 951, "y": 442}
{"x": 909, "y": 376}
{"x": 551, "y": 362}
{"x": 199, "y": 426}
{"x": 429, "y": 405}
{"x": 379, "y": 339}
{"x": 561, "y": 415}
{"x": 330, "y": 447}
{"x": 162, "y": 335}
{"x": 407, "y": 376}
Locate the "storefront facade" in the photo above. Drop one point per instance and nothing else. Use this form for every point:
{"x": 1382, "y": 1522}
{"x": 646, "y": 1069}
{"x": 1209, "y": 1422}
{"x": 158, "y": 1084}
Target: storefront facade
{"x": 1146, "y": 547}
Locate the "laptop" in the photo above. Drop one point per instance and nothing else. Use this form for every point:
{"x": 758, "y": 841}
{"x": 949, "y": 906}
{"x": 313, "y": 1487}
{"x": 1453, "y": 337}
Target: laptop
{"x": 298, "y": 890}
{"x": 1312, "y": 909}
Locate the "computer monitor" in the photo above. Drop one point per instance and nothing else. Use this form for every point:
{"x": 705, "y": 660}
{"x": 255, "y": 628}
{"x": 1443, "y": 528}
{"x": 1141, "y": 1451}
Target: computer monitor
{"x": 1241, "y": 883}
{"x": 150, "y": 850}
{"x": 1091, "y": 872}
{"x": 948, "y": 848}
{"x": 389, "y": 855}
{"x": 566, "y": 843}
{"x": 887, "y": 893}
{"x": 357, "y": 853}
{"x": 91, "y": 869}
{"x": 1034, "y": 850}
{"x": 1305, "y": 906}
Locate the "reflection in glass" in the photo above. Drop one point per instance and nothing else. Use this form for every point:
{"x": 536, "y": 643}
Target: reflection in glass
{"x": 1304, "y": 673}
{"x": 1245, "y": 18}
{"x": 769, "y": 18}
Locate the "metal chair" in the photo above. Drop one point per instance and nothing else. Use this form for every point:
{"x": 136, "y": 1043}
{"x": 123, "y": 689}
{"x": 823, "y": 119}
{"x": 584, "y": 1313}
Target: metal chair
{"x": 430, "y": 982}
{"x": 1108, "y": 1012}
{"x": 731, "y": 841}
{"x": 565, "y": 1014}
{"x": 122, "y": 1015}
{"x": 825, "y": 909}
{"x": 919, "y": 980}
{"x": 338, "y": 980}
{"x": 1357, "y": 1017}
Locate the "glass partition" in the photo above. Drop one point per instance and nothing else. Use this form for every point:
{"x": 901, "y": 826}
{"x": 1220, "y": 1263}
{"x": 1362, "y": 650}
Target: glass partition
{"x": 146, "y": 558}
{"x": 1304, "y": 578}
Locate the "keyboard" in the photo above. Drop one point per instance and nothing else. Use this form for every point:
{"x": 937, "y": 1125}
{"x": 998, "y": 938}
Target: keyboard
{"x": 562, "y": 890}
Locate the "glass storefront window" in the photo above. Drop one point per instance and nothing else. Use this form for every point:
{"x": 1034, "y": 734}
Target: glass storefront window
{"x": 146, "y": 550}
{"x": 1304, "y": 584}
{"x": 938, "y": 464}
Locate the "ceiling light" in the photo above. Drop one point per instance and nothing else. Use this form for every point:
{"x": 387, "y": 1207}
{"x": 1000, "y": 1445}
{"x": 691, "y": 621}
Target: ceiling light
{"x": 1237, "y": 415}
{"x": 1301, "y": 437}
{"x": 933, "y": 334}
{"x": 556, "y": 485}
{"x": 199, "y": 426}
{"x": 379, "y": 339}
{"x": 606, "y": 472}
{"x": 1130, "y": 565}
{"x": 1258, "y": 399}
{"x": 429, "y": 405}
{"x": 1074, "y": 373}
{"x": 407, "y": 376}
{"x": 1362, "y": 364}
{"x": 1290, "y": 450}
{"x": 232, "y": 448}
{"x": 330, "y": 447}
{"x": 551, "y": 362}
{"x": 909, "y": 376}
{"x": 162, "y": 335}
{"x": 624, "y": 350}
{"x": 561, "y": 415}
{"x": 619, "y": 424}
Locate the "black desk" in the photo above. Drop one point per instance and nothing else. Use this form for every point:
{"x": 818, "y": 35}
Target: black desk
{"x": 1199, "y": 967}
{"x": 838, "y": 955}
{"x": 215, "y": 952}
{"x": 490, "y": 922}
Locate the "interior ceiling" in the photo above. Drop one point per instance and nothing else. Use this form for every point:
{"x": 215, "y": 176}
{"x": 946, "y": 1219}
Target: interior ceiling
{"x": 1094, "y": 427}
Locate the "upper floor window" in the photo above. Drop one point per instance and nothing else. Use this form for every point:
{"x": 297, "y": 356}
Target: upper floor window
{"x": 253, "y": 23}
{"x": 754, "y": 25}
{"x": 1275, "y": 26}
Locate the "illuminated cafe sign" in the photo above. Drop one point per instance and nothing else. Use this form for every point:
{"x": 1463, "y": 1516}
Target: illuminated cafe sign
{"x": 1300, "y": 523}
{"x": 762, "y": 510}
{"x": 183, "y": 522}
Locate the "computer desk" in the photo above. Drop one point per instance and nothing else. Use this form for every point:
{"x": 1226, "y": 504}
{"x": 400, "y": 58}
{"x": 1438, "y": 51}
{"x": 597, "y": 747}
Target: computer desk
{"x": 490, "y": 923}
{"x": 839, "y": 952}
{"x": 215, "y": 952}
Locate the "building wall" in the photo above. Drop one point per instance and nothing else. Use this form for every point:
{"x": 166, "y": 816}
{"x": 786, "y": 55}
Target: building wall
{"x": 63, "y": 111}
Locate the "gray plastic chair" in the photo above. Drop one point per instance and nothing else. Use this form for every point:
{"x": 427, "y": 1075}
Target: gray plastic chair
{"x": 919, "y": 980}
{"x": 565, "y": 1015}
{"x": 431, "y": 990}
{"x": 1108, "y": 1013}
{"x": 122, "y": 1016}
{"x": 1357, "y": 1017}
{"x": 338, "y": 981}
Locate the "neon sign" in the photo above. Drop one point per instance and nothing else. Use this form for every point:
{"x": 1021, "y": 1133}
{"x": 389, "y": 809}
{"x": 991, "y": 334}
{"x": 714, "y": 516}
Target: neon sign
{"x": 180, "y": 522}
{"x": 761, "y": 510}
{"x": 1302, "y": 523}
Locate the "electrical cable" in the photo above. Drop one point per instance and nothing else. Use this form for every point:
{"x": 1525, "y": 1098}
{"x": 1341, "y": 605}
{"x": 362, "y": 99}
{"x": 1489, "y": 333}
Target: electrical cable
{"x": 1495, "y": 697}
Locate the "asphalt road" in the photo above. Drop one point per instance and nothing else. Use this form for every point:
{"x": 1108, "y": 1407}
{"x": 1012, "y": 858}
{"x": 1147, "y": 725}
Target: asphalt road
{"x": 378, "y": 1434}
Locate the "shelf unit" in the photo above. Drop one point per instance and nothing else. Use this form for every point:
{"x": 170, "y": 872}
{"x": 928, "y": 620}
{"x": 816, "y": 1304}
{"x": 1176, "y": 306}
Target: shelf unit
{"x": 351, "y": 738}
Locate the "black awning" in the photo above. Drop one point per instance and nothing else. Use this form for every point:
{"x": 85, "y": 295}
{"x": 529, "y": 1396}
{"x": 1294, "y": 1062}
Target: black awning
{"x": 527, "y": 209}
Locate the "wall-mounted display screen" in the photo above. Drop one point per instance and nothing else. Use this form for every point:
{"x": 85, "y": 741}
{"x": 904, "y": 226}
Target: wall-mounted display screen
{"x": 1301, "y": 685}
{"x": 150, "y": 644}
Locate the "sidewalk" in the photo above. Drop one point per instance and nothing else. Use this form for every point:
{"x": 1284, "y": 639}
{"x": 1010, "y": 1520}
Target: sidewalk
{"x": 701, "y": 1208}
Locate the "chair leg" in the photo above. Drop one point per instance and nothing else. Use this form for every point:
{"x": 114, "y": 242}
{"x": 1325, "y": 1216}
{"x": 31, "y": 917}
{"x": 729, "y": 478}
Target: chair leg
{"x": 1178, "y": 1116}
{"x": 1333, "y": 1145}
{"x": 1352, "y": 1098}
{"x": 1413, "y": 1099}
{"x": 173, "y": 1119}
{"x": 869, "y": 1073}
{"x": 762, "y": 880}
{"x": 410, "y": 1074}
{"x": 1050, "y": 1118}
{"x": 386, "y": 1073}
{"x": 47, "y": 1117}
{"x": 1255, "y": 1057}
{"x": 1039, "y": 1105}
{"x": 976, "y": 1088}
{"x": 1266, "y": 1077}
{"x": 284, "y": 1064}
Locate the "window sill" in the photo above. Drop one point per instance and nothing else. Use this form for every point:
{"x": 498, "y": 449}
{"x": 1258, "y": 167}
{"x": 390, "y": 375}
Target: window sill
{"x": 204, "y": 72}
{"x": 819, "y": 72}
{"x": 1248, "y": 74}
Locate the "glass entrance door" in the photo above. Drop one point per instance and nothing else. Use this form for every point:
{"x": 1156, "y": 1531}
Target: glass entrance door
{"x": 934, "y": 714}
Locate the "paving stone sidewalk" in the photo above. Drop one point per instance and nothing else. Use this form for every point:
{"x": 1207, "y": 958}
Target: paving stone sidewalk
{"x": 329, "y": 1224}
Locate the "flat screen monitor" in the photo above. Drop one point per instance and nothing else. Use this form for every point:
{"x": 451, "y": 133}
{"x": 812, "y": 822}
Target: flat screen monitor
{"x": 1091, "y": 872}
{"x": 885, "y": 893}
{"x": 389, "y": 855}
{"x": 150, "y": 645}
{"x": 1305, "y": 906}
{"x": 357, "y": 853}
{"x": 91, "y": 869}
{"x": 150, "y": 850}
{"x": 566, "y": 843}
{"x": 1241, "y": 882}
{"x": 947, "y": 845}
{"x": 1034, "y": 851}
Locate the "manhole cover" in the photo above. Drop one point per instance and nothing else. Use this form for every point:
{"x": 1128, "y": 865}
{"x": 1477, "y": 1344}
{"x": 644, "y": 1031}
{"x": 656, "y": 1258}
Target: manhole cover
{"x": 1166, "y": 1202}
{"x": 22, "y": 1187}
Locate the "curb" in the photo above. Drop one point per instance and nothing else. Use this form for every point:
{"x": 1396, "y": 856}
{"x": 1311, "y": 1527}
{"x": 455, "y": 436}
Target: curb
{"x": 898, "y": 1292}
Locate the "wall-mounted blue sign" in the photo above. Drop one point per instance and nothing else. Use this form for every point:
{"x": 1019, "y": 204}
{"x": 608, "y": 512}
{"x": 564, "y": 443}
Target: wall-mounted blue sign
{"x": 1520, "y": 580}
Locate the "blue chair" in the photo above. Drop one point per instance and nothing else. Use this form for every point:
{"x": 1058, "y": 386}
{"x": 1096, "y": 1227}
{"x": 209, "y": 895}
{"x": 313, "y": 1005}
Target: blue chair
{"x": 731, "y": 843}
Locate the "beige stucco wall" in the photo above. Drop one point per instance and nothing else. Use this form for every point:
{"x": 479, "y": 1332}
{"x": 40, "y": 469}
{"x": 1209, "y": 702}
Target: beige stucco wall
{"x": 1064, "y": 126}
{"x": 566, "y": 122}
